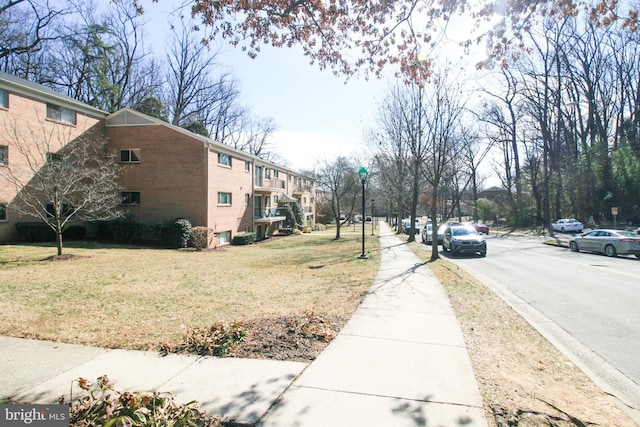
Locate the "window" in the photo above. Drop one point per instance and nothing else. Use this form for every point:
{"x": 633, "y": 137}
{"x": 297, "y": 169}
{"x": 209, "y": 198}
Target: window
{"x": 276, "y": 173}
{"x": 247, "y": 199}
{"x": 61, "y": 114}
{"x": 66, "y": 212}
{"x": 247, "y": 166}
{"x": 224, "y": 159}
{"x": 223, "y": 238}
{"x": 267, "y": 173}
{"x": 275, "y": 199}
{"x": 4, "y": 99}
{"x": 4, "y": 155}
{"x": 3, "y": 211}
{"x": 54, "y": 158}
{"x": 130, "y": 155}
{"x": 224, "y": 199}
{"x": 129, "y": 197}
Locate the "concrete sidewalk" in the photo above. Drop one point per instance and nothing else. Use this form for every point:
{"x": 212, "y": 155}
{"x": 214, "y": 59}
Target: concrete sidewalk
{"x": 400, "y": 361}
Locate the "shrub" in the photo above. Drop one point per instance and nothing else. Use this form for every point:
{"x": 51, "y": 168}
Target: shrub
{"x": 127, "y": 229}
{"x": 35, "y": 232}
{"x": 298, "y": 214}
{"x": 244, "y": 239}
{"x": 101, "y": 405}
{"x": 201, "y": 238}
{"x": 216, "y": 340}
{"x": 74, "y": 232}
{"x": 175, "y": 234}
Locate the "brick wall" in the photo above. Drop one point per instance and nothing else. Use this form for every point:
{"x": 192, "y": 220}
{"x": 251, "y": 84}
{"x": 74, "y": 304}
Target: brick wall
{"x": 29, "y": 135}
{"x": 171, "y": 175}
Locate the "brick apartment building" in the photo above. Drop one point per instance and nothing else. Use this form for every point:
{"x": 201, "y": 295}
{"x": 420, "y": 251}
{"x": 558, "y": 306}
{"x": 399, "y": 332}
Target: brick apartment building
{"x": 166, "y": 172}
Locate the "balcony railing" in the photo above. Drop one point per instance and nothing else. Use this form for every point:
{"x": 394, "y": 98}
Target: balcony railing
{"x": 272, "y": 184}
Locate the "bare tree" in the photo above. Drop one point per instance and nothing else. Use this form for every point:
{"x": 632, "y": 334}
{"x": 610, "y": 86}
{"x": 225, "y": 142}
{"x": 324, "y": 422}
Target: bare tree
{"x": 339, "y": 179}
{"x": 60, "y": 179}
{"x": 192, "y": 91}
{"x": 25, "y": 25}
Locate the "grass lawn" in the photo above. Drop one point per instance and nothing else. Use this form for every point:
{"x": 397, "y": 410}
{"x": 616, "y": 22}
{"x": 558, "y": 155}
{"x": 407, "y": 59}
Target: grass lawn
{"x": 138, "y": 298}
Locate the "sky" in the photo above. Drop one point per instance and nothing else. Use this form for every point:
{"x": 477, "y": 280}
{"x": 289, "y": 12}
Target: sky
{"x": 318, "y": 115}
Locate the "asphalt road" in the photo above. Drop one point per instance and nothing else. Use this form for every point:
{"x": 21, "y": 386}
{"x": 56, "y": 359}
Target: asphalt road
{"x": 592, "y": 299}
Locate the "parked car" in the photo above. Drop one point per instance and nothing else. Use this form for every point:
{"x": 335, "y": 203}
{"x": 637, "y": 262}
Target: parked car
{"x": 609, "y": 242}
{"x": 565, "y": 225}
{"x": 463, "y": 239}
{"x": 427, "y": 233}
{"x": 634, "y": 220}
{"x": 406, "y": 226}
{"x": 481, "y": 228}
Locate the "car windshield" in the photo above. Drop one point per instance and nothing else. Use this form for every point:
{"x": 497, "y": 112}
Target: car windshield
{"x": 572, "y": 220}
{"x": 463, "y": 231}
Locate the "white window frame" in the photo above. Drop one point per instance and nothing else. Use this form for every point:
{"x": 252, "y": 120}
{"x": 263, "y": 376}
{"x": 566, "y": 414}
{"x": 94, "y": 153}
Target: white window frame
{"x": 247, "y": 166}
{"x": 223, "y": 238}
{"x": 221, "y": 157}
{"x": 131, "y": 152}
{"x": 4, "y": 99}
{"x": 224, "y": 198}
{"x": 60, "y": 114}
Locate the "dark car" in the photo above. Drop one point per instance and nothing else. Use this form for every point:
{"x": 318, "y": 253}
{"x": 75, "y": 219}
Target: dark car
{"x": 463, "y": 239}
{"x": 634, "y": 220}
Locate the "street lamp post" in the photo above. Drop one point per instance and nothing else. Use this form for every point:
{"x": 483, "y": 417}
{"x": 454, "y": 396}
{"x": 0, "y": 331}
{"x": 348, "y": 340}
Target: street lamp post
{"x": 363, "y": 179}
{"x": 372, "y": 219}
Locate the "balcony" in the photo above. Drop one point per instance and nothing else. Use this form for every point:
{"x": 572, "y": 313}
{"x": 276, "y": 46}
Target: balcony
{"x": 268, "y": 185}
{"x": 302, "y": 189}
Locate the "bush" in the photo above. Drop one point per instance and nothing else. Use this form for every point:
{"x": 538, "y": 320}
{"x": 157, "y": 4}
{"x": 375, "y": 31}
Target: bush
{"x": 175, "y": 234}
{"x": 244, "y": 239}
{"x": 74, "y": 232}
{"x": 127, "y": 229}
{"x": 216, "y": 340}
{"x": 200, "y": 238}
{"x": 102, "y": 405}
{"x": 35, "y": 232}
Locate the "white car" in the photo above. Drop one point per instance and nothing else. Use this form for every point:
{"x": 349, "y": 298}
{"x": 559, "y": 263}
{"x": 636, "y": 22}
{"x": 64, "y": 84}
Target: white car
{"x": 566, "y": 225}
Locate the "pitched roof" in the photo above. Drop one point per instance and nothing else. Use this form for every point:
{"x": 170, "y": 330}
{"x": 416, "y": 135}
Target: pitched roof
{"x": 43, "y": 93}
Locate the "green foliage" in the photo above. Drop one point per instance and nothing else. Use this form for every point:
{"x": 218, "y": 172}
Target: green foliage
{"x": 126, "y": 229}
{"x": 487, "y": 209}
{"x": 175, "y": 234}
{"x": 198, "y": 128}
{"x": 35, "y": 232}
{"x": 41, "y": 232}
{"x": 626, "y": 173}
{"x": 298, "y": 214}
{"x": 102, "y": 405}
{"x": 216, "y": 340}
{"x": 153, "y": 107}
{"x": 200, "y": 237}
{"x": 290, "y": 221}
{"x": 244, "y": 239}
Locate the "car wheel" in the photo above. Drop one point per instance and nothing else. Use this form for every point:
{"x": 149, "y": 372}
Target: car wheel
{"x": 574, "y": 247}
{"x": 483, "y": 254}
{"x": 609, "y": 250}
{"x": 562, "y": 230}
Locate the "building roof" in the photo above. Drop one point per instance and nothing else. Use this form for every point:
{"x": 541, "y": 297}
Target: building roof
{"x": 35, "y": 90}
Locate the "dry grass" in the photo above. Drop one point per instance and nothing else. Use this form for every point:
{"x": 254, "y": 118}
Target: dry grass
{"x": 139, "y": 298}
